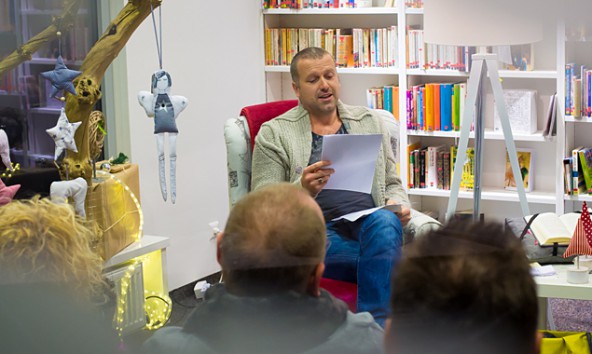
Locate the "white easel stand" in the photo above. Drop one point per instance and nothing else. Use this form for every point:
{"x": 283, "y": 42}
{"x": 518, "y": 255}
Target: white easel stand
{"x": 483, "y": 63}
{"x": 577, "y": 275}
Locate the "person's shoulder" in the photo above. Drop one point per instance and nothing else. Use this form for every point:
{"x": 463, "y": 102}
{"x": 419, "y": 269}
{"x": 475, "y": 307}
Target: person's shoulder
{"x": 359, "y": 333}
{"x": 355, "y": 112}
{"x": 174, "y": 339}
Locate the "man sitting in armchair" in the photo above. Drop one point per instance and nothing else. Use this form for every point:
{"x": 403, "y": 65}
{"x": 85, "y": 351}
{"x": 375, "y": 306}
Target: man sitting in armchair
{"x": 287, "y": 149}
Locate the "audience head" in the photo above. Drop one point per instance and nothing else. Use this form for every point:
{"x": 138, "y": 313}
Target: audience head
{"x": 44, "y": 242}
{"x": 465, "y": 288}
{"x": 274, "y": 241}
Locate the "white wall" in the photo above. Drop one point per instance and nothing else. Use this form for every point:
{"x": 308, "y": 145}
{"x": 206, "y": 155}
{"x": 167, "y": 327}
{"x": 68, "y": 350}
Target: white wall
{"x": 213, "y": 51}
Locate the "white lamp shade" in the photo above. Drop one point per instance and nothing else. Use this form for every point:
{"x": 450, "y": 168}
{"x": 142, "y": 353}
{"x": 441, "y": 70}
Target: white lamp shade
{"x": 482, "y": 22}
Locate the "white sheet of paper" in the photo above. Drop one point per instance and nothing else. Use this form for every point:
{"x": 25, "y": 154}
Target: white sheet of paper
{"x": 353, "y": 157}
{"x": 542, "y": 271}
{"x": 358, "y": 214}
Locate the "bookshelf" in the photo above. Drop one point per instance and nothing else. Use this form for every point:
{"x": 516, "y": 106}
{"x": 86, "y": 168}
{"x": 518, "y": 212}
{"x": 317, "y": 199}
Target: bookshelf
{"x": 546, "y": 78}
{"x": 25, "y": 19}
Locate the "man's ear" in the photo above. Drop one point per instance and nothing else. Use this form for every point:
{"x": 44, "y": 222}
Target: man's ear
{"x": 218, "y": 247}
{"x": 313, "y": 286}
{"x": 296, "y": 89}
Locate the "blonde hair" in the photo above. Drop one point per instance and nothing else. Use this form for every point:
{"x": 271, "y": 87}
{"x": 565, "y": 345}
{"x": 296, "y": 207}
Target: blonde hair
{"x": 41, "y": 241}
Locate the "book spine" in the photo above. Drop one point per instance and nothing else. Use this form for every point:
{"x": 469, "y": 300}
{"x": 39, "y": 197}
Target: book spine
{"x": 422, "y": 167}
{"x": 446, "y": 169}
{"x": 440, "y": 169}
{"x": 446, "y": 100}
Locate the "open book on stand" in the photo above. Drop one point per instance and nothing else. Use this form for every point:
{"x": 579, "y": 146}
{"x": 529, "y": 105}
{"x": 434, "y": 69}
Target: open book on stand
{"x": 550, "y": 228}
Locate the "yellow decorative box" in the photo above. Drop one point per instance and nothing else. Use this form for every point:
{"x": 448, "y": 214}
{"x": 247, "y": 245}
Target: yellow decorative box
{"x": 113, "y": 202}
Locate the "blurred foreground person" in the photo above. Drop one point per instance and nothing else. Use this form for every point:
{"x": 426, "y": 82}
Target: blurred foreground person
{"x": 51, "y": 288}
{"x": 465, "y": 288}
{"x": 271, "y": 253}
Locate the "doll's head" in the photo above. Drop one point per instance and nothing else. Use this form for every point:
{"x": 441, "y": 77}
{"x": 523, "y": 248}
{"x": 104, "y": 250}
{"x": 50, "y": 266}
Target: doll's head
{"x": 161, "y": 82}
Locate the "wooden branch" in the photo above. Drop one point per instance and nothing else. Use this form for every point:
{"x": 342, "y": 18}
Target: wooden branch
{"x": 62, "y": 23}
{"x": 98, "y": 59}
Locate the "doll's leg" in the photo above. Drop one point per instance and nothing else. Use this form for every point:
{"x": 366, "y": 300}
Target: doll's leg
{"x": 173, "y": 167}
{"x": 161, "y": 173}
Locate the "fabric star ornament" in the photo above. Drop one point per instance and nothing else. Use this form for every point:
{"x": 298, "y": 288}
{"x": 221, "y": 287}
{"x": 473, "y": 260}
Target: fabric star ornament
{"x": 63, "y": 134}
{"x": 7, "y": 192}
{"x": 61, "y": 78}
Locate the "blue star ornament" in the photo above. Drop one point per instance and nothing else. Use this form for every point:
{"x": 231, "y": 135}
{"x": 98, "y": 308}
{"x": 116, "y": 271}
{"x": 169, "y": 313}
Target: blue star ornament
{"x": 61, "y": 78}
{"x": 63, "y": 134}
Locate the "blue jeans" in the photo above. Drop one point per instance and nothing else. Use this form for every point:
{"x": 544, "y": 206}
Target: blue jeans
{"x": 364, "y": 252}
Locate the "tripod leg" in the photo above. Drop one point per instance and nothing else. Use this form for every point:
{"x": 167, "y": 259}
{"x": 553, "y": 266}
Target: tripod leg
{"x": 465, "y": 128}
{"x": 500, "y": 103}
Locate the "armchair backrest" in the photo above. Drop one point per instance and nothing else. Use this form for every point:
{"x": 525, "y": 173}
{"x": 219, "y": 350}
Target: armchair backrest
{"x": 240, "y": 133}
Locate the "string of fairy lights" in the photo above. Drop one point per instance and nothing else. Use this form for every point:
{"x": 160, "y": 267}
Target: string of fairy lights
{"x": 157, "y": 306}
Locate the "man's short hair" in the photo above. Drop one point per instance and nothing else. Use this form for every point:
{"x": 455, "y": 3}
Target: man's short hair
{"x": 465, "y": 288}
{"x": 273, "y": 240}
{"x": 306, "y": 53}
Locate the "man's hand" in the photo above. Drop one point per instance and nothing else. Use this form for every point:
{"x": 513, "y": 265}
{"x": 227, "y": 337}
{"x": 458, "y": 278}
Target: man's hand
{"x": 315, "y": 176}
{"x": 405, "y": 213}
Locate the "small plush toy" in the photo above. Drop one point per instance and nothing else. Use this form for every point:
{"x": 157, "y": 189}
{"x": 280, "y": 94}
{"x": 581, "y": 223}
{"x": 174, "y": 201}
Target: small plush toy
{"x": 7, "y": 193}
{"x": 5, "y": 150}
{"x": 63, "y": 134}
{"x": 61, "y": 78}
{"x": 164, "y": 108}
{"x": 59, "y": 192}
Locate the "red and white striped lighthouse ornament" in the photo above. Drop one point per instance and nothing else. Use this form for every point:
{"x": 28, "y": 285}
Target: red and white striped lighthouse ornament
{"x": 580, "y": 244}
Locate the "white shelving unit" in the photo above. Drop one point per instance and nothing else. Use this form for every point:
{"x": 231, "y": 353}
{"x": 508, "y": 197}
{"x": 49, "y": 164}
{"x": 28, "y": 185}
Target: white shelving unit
{"x": 546, "y": 78}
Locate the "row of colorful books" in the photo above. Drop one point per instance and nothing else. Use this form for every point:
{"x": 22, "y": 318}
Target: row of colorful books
{"x": 432, "y": 167}
{"x": 435, "y": 106}
{"x": 578, "y": 90}
{"x": 315, "y": 4}
{"x": 351, "y": 47}
{"x": 386, "y": 97}
{"x": 578, "y": 171}
{"x": 434, "y": 56}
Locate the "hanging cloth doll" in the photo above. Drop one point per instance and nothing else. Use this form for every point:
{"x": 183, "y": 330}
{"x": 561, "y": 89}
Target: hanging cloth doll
{"x": 164, "y": 108}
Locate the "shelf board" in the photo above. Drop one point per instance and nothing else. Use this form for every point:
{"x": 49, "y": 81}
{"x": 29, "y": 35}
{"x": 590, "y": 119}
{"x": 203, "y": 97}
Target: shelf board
{"x": 364, "y": 71}
{"x": 534, "y": 74}
{"x": 144, "y": 246}
{"x": 56, "y": 12}
{"x": 573, "y": 119}
{"x": 489, "y": 135}
{"x": 578, "y": 198}
{"x": 356, "y": 11}
{"x": 437, "y": 72}
{"x": 414, "y": 11}
{"x": 52, "y": 61}
{"x": 496, "y": 194}
{"x": 46, "y": 110}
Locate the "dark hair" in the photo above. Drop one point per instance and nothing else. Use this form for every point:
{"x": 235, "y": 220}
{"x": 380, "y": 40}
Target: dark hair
{"x": 465, "y": 288}
{"x": 157, "y": 75}
{"x": 273, "y": 240}
{"x": 306, "y": 53}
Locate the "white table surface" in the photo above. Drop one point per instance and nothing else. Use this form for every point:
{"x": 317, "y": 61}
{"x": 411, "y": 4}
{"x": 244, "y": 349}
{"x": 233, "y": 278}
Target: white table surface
{"x": 144, "y": 246}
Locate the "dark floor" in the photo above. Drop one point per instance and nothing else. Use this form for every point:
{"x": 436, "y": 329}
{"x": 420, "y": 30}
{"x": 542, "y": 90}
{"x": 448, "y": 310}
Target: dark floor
{"x": 568, "y": 315}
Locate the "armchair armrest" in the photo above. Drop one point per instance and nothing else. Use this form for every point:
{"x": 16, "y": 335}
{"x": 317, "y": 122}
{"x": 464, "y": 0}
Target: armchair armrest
{"x": 419, "y": 225}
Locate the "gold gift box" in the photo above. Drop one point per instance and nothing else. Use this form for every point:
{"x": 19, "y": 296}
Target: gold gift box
{"x": 111, "y": 204}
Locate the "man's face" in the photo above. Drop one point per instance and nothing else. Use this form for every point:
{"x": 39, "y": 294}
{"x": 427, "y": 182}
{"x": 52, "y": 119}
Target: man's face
{"x": 318, "y": 86}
